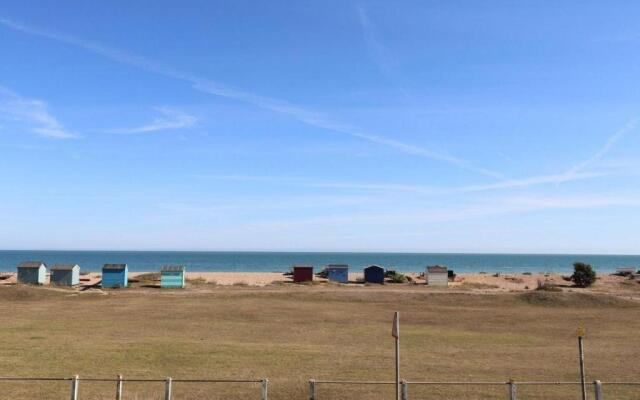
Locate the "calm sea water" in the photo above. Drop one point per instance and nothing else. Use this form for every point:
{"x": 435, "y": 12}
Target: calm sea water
{"x": 281, "y": 261}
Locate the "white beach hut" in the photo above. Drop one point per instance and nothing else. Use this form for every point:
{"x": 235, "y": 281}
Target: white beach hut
{"x": 437, "y": 275}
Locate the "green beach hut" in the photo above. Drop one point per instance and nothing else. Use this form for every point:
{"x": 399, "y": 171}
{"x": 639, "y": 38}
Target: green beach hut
{"x": 65, "y": 274}
{"x": 172, "y": 276}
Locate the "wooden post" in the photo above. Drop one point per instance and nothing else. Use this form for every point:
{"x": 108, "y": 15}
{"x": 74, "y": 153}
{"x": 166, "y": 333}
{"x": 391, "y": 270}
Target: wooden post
{"x": 583, "y": 383}
{"x": 597, "y": 388}
{"x": 312, "y": 389}
{"x": 119, "y": 388}
{"x": 74, "y": 387}
{"x": 264, "y": 389}
{"x": 405, "y": 390}
{"x": 167, "y": 389}
{"x": 395, "y": 332}
{"x": 513, "y": 395}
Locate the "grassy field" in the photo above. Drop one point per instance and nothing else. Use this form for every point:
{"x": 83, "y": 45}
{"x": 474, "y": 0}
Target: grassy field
{"x": 291, "y": 334}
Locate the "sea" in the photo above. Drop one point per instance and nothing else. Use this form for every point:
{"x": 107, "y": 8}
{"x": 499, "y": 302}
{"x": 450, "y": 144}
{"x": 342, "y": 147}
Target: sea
{"x": 249, "y": 261}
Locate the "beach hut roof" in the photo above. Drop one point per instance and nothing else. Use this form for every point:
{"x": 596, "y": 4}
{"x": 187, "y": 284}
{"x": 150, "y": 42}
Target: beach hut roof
{"x": 302, "y": 266}
{"x": 115, "y": 266}
{"x": 374, "y": 266}
{"x": 31, "y": 264}
{"x": 172, "y": 268}
{"x": 435, "y": 269}
{"x": 337, "y": 266}
{"x": 63, "y": 267}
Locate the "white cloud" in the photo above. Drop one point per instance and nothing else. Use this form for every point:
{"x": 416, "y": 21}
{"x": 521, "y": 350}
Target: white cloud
{"x": 572, "y": 174}
{"x": 32, "y": 112}
{"x": 171, "y": 119}
{"x": 611, "y": 141}
{"x": 438, "y": 215}
{"x": 301, "y": 114}
{"x": 378, "y": 52}
{"x": 576, "y": 202}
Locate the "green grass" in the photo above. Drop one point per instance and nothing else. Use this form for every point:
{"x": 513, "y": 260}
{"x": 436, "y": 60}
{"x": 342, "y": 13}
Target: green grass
{"x": 293, "y": 333}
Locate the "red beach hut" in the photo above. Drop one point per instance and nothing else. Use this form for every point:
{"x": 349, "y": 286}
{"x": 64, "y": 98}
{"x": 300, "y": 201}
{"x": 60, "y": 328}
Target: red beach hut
{"x": 302, "y": 273}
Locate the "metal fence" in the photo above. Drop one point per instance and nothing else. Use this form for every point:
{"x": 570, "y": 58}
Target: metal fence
{"x": 75, "y": 381}
{"x": 511, "y": 387}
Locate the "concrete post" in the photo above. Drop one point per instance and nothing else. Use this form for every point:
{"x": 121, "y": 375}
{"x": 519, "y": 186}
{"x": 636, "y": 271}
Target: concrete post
{"x": 167, "y": 389}
{"x": 264, "y": 389}
{"x": 512, "y": 390}
{"x": 404, "y": 390}
{"x": 597, "y": 389}
{"x": 312, "y": 389}
{"x": 74, "y": 387}
{"x": 119, "y": 388}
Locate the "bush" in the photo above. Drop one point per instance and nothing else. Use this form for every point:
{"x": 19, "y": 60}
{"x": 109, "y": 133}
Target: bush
{"x": 398, "y": 278}
{"x": 547, "y": 286}
{"x": 583, "y": 275}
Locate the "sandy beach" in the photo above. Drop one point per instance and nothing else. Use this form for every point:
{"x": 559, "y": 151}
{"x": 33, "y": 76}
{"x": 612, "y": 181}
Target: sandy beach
{"x": 475, "y": 282}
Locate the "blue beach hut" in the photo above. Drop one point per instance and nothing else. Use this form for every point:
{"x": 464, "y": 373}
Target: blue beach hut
{"x": 32, "y": 272}
{"x": 374, "y": 274}
{"x": 115, "y": 276}
{"x": 338, "y": 273}
{"x": 65, "y": 274}
{"x": 172, "y": 276}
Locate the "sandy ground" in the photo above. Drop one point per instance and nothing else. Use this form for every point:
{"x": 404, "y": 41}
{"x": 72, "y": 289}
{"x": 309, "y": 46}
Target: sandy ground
{"x": 477, "y": 282}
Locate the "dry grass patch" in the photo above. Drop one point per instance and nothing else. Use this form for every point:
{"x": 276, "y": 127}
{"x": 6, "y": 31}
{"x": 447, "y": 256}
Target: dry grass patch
{"x": 292, "y": 333}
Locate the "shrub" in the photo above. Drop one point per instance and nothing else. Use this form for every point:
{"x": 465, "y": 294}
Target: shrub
{"x": 547, "y": 286}
{"x": 398, "y": 278}
{"x": 583, "y": 275}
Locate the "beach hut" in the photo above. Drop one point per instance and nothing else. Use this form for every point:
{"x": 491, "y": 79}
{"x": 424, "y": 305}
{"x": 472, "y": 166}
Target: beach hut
{"x": 302, "y": 273}
{"x": 32, "y": 272}
{"x": 65, "y": 274}
{"x": 338, "y": 273}
{"x": 172, "y": 276}
{"x": 374, "y": 274}
{"x": 437, "y": 275}
{"x": 115, "y": 276}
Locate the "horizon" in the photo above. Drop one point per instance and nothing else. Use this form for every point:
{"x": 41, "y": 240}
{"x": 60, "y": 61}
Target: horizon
{"x": 317, "y": 252}
{"x": 404, "y": 128}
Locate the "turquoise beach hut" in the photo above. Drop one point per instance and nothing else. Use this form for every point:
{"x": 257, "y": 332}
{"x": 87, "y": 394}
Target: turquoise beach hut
{"x": 32, "y": 272}
{"x": 65, "y": 274}
{"x": 338, "y": 273}
{"x": 172, "y": 276}
{"x": 115, "y": 276}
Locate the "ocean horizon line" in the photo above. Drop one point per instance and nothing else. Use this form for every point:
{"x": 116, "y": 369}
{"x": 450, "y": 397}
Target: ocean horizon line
{"x": 470, "y": 253}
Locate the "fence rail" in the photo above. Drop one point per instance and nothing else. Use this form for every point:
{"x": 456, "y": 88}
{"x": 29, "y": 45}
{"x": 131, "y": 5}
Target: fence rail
{"x": 511, "y": 386}
{"x": 119, "y": 381}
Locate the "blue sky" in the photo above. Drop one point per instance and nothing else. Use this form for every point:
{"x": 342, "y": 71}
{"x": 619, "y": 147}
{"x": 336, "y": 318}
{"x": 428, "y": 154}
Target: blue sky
{"x": 336, "y": 125}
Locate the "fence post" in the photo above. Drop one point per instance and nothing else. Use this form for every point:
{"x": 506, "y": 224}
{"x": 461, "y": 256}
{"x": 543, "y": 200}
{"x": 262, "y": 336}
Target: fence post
{"x": 312, "y": 389}
{"x": 597, "y": 388}
{"x": 74, "y": 387}
{"x": 512, "y": 390}
{"x": 265, "y": 387}
{"x": 405, "y": 391}
{"x": 167, "y": 389}
{"x": 583, "y": 383}
{"x": 119, "y": 388}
